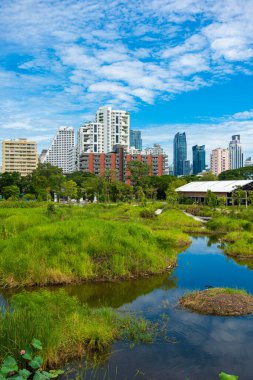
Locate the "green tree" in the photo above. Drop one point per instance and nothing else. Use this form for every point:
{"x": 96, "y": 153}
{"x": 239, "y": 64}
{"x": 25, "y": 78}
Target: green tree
{"x": 241, "y": 173}
{"x": 11, "y": 191}
{"x": 211, "y": 199}
{"x": 208, "y": 176}
{"x": 9, "y": 179}
{"x": 140, "y": 195}
{"x": 138, "y": 170}
{"x": 239, "y": 195}
{"x": 47, "y": 180}
{"x": 70, "y": 190}
{"x": 222, "y": 201}
{"x": 172, "y": 196}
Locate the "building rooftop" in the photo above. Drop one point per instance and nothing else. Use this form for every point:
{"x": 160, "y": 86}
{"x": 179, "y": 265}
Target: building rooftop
{"x": 214, "y": 186}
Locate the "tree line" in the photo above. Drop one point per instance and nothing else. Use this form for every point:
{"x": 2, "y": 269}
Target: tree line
{"x": 47, "y": 182}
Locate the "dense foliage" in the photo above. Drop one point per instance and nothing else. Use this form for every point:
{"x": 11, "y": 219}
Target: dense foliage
{"x": 241, "y": 173}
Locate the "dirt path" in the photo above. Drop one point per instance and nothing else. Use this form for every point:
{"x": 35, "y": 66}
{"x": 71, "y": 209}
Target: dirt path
{"x": 198, "y": 218}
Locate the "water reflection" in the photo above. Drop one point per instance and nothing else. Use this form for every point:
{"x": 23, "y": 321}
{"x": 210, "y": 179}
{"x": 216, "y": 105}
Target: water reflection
{"x": 198, "y": 346}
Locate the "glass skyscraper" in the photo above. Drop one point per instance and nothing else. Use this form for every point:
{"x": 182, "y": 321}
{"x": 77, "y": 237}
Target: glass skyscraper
{"x": 135, "y": 139}
{"x": 181, "y": 165}
{"x": 199, "y": 158}
{"x": 235, "y": 153}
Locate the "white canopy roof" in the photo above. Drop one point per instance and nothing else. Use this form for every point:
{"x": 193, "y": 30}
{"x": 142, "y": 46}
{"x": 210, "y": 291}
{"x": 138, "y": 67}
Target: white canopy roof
{"x": 214, "y": 186}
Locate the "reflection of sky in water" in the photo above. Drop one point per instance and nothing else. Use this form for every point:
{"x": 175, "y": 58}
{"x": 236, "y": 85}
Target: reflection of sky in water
{"x": 199, "y": 346}
{"x": 204, "y": 345}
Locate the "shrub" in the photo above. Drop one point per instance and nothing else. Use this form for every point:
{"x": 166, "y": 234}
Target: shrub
{"x": 147, "y": 213}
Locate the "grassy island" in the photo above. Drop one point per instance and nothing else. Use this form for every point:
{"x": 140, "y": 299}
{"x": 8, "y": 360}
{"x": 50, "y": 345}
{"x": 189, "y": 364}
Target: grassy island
{"x": 66, "y": 327}
{"x": 70, "y": 244}
{"x": 219, "y": 301}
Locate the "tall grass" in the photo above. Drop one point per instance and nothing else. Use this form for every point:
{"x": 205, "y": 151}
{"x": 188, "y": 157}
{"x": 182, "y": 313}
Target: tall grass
{"x": 91, "y": 243}
{"x": 64, "y": 326}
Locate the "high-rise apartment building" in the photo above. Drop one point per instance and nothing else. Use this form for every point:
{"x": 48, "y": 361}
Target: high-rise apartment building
{"x": 58, "y": 152}
{"x": 90, "y": 138}
{"x": 248, "y": 162}
{"x": 219, "y": 160}
{"x": 180, "y": 155}
{"x": 235, "y": 153}
{"x": 135, "y": 139}
{"x": 198, "y": 159}
{"x": 155, "y": 149}
{"x": 42, "y": 155}
{"x": 19, "y": 156}
{"x": 116, "y": 127}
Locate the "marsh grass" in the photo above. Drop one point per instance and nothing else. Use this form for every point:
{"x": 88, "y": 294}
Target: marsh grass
{"x": 95, "y": 242}
{"x": 66, "y": 328}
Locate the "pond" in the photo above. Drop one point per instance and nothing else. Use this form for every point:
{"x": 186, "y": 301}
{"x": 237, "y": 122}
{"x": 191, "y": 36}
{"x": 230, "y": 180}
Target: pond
{"x": 198, "y": 346}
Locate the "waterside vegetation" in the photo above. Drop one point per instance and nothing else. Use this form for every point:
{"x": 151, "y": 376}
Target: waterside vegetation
{"x": 65, "y": 327}
{"x": 69, "y": 244}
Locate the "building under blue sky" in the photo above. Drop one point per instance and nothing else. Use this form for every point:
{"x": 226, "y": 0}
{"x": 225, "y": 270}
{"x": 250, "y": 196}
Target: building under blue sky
{"x": 176, "y": 65}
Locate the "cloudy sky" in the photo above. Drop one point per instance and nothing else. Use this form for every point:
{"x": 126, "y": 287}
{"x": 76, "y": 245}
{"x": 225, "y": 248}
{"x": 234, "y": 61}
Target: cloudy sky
{"x": 176, "y": 65}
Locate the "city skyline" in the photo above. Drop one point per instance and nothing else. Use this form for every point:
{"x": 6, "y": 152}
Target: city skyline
{"x": 191, "y": 72}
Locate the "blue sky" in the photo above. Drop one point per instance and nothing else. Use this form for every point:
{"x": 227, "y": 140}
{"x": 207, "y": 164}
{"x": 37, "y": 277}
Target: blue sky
{"x": 176, "y": 65}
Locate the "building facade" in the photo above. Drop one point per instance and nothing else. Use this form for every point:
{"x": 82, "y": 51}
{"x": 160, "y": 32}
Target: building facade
{"x": 248, "y": 162}
{"x": 90, "y": 138}
{"x": 198, "y": 159}
{"x": 179, "y": 154}
{"x": 135, "y": 139}
{"x": 219, "y": 160}
{"x": 58, "y": 152}
{"x": 42, "y": 155}
{"x": 155, "y": 150}
{"x": 118, "y": 161}
{"x": 19, "y": 156}
{"x": 116, "y": 127}
{"x": 235, "y": 153}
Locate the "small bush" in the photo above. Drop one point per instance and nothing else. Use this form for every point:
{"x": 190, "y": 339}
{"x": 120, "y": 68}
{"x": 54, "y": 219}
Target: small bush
{"x": 147, "y": 213}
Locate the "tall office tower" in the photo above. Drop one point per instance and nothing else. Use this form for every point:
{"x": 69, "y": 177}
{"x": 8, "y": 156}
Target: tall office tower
{"x": 235, "y": 153}
{"x": 248, "y": 162}
{"x": 135, "y": 139}
{"x": 58, "y": 152}
{"x": 187, "y": 167}
{"x": 116, "y": 127}
{"x": 179, "y": 153}
{"x": 199, "y": 159}
{"x": 19, "y": 156}
{"x": 90, "y": 138}
{"x": 219, "y": 160}
{"x": 155, "y": 149}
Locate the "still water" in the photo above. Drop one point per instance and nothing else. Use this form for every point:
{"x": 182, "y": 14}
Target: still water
{"x": 197, "y": 347}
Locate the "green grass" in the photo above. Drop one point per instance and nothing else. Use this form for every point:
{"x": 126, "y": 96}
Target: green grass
{"x": 65, "y": 327}
{"x": 227, "y": 224}
{"x": 95, "y": 242}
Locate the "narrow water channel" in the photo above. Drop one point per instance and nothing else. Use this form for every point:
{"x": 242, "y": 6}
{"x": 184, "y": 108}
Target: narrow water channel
{"x": 198, "y": 347}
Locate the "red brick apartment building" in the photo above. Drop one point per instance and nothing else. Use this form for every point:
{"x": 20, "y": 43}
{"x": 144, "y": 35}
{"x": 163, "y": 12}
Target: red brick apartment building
{"x": 97, "y": 163}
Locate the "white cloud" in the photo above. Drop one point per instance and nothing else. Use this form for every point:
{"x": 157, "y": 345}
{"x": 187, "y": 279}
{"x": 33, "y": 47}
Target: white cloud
{"x": 74, "y": 56}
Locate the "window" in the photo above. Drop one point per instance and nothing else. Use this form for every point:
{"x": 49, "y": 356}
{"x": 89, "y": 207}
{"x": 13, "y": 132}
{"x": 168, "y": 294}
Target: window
{"x": 117, "y": 119}
{"x": 95, "y": 148}
{"x": 117, "y": 129}
{"x": 95, "y": 138}
{"x": 95, "y": 128}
